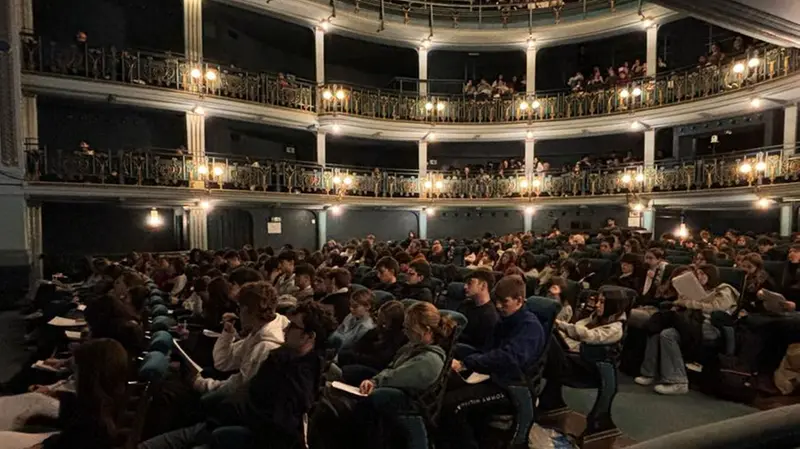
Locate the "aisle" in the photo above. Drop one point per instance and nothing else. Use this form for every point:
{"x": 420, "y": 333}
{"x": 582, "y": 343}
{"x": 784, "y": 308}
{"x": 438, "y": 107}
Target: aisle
{"x": 642, "y": 414}
{"x": 12, "y": 344}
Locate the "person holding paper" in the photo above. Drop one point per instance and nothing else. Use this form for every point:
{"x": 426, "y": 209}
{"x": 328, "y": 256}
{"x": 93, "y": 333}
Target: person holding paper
{"x": 516, "y": 344}
{"x": 694, "y": 324}
{"x": 264, "y": 328}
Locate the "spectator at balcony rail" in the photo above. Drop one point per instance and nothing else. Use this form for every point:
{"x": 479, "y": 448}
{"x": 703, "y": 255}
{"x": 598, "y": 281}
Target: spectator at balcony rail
{"x": 716, "y": 56}
{"x": 484, "y": 89}
{"x": 575, "y": 82}
{"x": 469, "y": 89}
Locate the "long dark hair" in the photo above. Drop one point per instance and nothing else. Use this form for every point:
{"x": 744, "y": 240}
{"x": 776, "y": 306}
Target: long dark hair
{"x": 102, "y": 367}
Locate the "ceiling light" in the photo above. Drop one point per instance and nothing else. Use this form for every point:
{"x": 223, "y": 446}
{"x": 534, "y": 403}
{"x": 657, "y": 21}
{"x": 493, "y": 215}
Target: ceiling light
{"x": 682, "y": 231}
{"x": 624, "y": 93}
{"x": 336, "y": 128}
{"x": 340, "y": 94}
{"x": 638, "y": 207}
{"x": 761, "y": 166}
{"x": 199, "y": 110}
{"x": 529, "y": 135}
{"x": 535, "y": 104}
{"x": 763, "y": 203}
{"x": 431, "y": 137}
{"x": 637, "y": 91}
{"x": 637, "y": 126}
{"x": 325, "y": 25}
{"x": 523, "y": 106}
{"x": 211, "y": 75}
{"x": 205, "y": 205}
{"x": 745, "y": 168}
{"x": 196, "y": 73}
{"x": 753, "y": 63}
{"x": 738, "y": 68}
{"x": 336, "y": 210}
{"x": 428, "y": 106}
{"x": 755, "y": 103}
{"x": 429, "y": 211}
{"x": 327, "y": 94}
{"x": 530, "y": 210}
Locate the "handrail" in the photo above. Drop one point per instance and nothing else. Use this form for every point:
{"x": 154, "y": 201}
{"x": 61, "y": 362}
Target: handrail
{"x": 756, "y": 167}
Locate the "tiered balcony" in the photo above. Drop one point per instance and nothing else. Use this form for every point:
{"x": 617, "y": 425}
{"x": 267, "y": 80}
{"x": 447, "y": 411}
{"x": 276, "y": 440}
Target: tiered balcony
{"x": 174, "y": 72}
{"x": 758, "y": 168}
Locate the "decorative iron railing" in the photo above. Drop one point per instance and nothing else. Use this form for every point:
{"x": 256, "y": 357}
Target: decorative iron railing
{"x": 165, "y": 70}
{"x": 158, "y": 167}
{"x": 757, "y": 66}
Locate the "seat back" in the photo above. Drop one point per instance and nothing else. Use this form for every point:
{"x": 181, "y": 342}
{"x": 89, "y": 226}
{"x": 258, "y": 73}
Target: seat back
{"x": 162, "y": 323}
{"x": 733, "y": 276}
{"x": 602, "y": 269}
{"x": 357, "y": 287}
{"x": 382, "y": 297}
{"x": 159, "y": 310}
{"x": 774, "y": 269}
{"x": 680, "y": 260}
{"x": 161, "y": 341}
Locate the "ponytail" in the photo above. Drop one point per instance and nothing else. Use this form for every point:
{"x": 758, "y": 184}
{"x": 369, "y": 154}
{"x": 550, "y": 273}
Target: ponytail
{"x": 445, "y": 328}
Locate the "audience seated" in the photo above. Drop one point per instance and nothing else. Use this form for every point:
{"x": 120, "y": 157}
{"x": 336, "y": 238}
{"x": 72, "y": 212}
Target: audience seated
{"x": 418, "y": 286}
{"x": 337, "y": 301}
{"x": 358, "y": 322}
{"x": 479, "y": 309}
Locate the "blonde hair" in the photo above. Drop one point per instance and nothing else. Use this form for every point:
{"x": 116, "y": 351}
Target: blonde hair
{"x": 424, "y": 315}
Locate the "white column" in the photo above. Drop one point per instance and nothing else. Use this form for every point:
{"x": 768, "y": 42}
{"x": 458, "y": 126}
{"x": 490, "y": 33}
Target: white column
{"x": 11, "y": 130}
{"x": 422, "y": 216}
{"x": 787, "y": 218}
{"x": 649, "y": 147}
{"x": 423, "y": 72}
{"x": 321, "y": 145}
{"x": 319, "y": 54}
{"x": 529, "y": 157}
{"x": 322, "y": 228}
{"x": 649, "y": 219}
{"x": 30, "y": 120}
{"x": 18, "y": 231}
{"x": 527, "y": 221}
{"x": 198, "y": 228}
{"x": 193, "y": 29}
{"x": 530, "y": 70}
{"x": 196, "y": 144}
{"x": 26, "y": 16}
{"x": 652, "y": 50}
{"x": 33, "y": 230}
{"x": 789, "y": 129}
{"x": 423, "y": 159}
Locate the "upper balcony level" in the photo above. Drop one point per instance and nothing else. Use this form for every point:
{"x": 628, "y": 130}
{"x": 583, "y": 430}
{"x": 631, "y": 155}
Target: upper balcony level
{"x": 468, "y": 24}
{"x": 764, "y": 75}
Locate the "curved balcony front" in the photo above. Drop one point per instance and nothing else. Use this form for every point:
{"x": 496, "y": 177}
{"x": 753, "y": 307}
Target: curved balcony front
{"x": 465, "y": 25}
{"x": 754, "y": 170}
{"x": 667, "y": 100}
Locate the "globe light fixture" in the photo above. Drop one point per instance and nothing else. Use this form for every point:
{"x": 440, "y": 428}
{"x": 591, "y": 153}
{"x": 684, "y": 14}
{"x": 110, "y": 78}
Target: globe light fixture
{"x": 745, "y": 168}
{"x": 340, "y": 94}
{"x": 154, "y": 220}
{"x": 196, "y": 73}
{"x": 753, "y": 63}
{"x": 327, "y": 94}
{"x": 738, "y": 68}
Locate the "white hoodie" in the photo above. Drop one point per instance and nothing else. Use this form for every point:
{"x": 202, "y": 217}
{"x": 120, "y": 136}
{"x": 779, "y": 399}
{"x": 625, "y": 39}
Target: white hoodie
{"x": 246, "y": 355}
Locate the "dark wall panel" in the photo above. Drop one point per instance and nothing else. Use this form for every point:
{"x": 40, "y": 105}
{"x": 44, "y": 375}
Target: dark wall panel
{"x": 250, "y": 139}
{"x": 298, "y": 228}
{"x": 229, "y": 228}
{"x": 76, "y": 228}
{"x": 370, "y": 153}
{"x": 386, "y": 225}
{"x": 65, "y": 123}
{"x": 471, "y": 223}
{"x": 749, "y": 220}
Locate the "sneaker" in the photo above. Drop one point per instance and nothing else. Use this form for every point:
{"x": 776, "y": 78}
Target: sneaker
{"x": 694, "y": 366}
{"x": 672, "y": 389}
{"x": 644, "y": 381}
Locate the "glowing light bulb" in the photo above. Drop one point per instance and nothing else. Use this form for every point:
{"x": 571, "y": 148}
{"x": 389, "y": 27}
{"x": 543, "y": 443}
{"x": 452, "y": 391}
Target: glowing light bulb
{"x": 348, "y": 181}
{"x": 336, "y": 210}
{"x": 523, "y": 106}
{"x": 205, "y": 205}
{"x": 428, "y": 184}
{"x": 636, "y": 126}
{"x": 638, "y": 207}
{"x": 536, "y": 104}
{"x": 196, "y": 73}
{"x": 761, "y": 166}
{"x": 340, "y": 94}
{"x": 211, "y": 75}
{"x": 218, "y": 171}
{"x": 536, "y": 183}
{"x": 637, "y": 91}
{"x": 199, "y": 110}
{"x": 626, "y": 178}
{"x": 738, "y": 68}
{"x": 755, "y": 103}
{"x": 337, "y": 180}
{"x": 430, "y": 211}
{"x": 336, "y": 129}
{"x": 439, "y": 185}
{"x": 753, "y": 63}
{"x": 529, "y": 135}
{"x": 530, "y": 210}
{"x": 327, "y": 94}
{"x": 682, "y": 231}
{"x": 745, "y": 168}
{"x": 428, "y": 106}
{"x": 440, "y": 107}
{"x": 639, "y": 177}
{"x": 524, "y": 183}
{"x": 203, "y": 170}
{"x": 624, "y": 93}
{"x": 154, "y": 220}
{"x": 763, "y": 203}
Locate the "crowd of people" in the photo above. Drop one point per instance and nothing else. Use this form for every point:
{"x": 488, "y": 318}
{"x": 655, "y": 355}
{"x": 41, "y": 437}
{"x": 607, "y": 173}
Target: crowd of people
{"x": 500, "y": 87}
{"x": 507, "y": 167}
{"x": 278, "y": 327}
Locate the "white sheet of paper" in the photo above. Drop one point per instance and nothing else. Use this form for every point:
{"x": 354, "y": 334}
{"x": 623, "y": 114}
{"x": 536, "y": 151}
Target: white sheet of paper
{"x": 186, "y": 357}
{"x": 81, "y": 307}
{"x": 476, "y": 378}
{"x": 40, "y": 365}
{"x": 688, "y": 286}
{"x": 348, "y": 388}
{"x": 73, "y": 335}
{"x": 60, "y": 321}
{"x": 211, "y": 334}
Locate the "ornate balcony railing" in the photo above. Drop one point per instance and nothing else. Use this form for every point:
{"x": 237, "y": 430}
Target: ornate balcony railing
{"x": 165, "y": 70}
{"x": 158, "y": 167}
{"x": 757, "y": 66}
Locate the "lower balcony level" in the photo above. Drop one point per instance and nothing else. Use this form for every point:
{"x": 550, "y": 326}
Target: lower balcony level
{"x": 163, "y": 175}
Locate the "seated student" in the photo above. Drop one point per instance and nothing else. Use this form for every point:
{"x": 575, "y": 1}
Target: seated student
{"x": 766, "y": 248}
{"x": 194, "y": 303}
{"x": 415, "y": 251}
{"x": 418, "y": 286}
{"x": 304, "y": 275}
{"x": 388, "y": 269}
{"x": 87, "y": 416}
{"x": 516, "y": 343}
{"x": 757, "y": 279}
{"x": 218, "y": 302}
{"x": 527, "y": 263}
{"x": 239, "y": 277}
{"x": 791, "y": 273}
{"x": 556, "y": 291}
{"x": 418, "y": 364}
{"x": 478, "y": 308}
{"x": 603, "y": 326}
{"x": 358, "y": 322}
{"x": 373, "y": 351}
{"x": 695, "y": 328}
{"x": 285, "y": 283}
{"x": 630, "y": 273}
{"x": 264, "y": 329}
{"x": 656, "y": 264}
{"x": 647, "y": 306}
{"x": 337, "y": 301}
{"x": 232, "y": 261}
{"x": 272, "y": 404}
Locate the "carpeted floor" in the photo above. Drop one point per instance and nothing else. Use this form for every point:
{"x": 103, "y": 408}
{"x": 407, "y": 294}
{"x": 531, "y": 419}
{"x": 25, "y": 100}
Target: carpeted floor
{"x": 638, "y": 411}
{"x": 643, "y": 414}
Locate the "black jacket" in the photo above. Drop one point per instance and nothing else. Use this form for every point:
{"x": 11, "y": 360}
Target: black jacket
{"x": 340, "y": 303}
{"x": 375, "y": 349}
{"x": 480, "y": 322}
{"x": 422, "y": 291}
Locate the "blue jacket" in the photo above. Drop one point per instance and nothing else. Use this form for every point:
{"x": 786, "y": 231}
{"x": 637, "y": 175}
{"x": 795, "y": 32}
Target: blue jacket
{"x": 515, "y": 344}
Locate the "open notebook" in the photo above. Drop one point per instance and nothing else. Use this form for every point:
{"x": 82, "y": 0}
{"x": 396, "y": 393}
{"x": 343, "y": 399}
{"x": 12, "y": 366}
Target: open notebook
{"x": 60, "y": 321}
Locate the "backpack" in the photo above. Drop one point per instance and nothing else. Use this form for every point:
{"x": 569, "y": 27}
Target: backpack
{"x": 734, "y": 377}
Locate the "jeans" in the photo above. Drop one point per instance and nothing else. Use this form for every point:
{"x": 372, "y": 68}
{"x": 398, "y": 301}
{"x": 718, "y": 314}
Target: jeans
{"x": 663, "y": 353}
